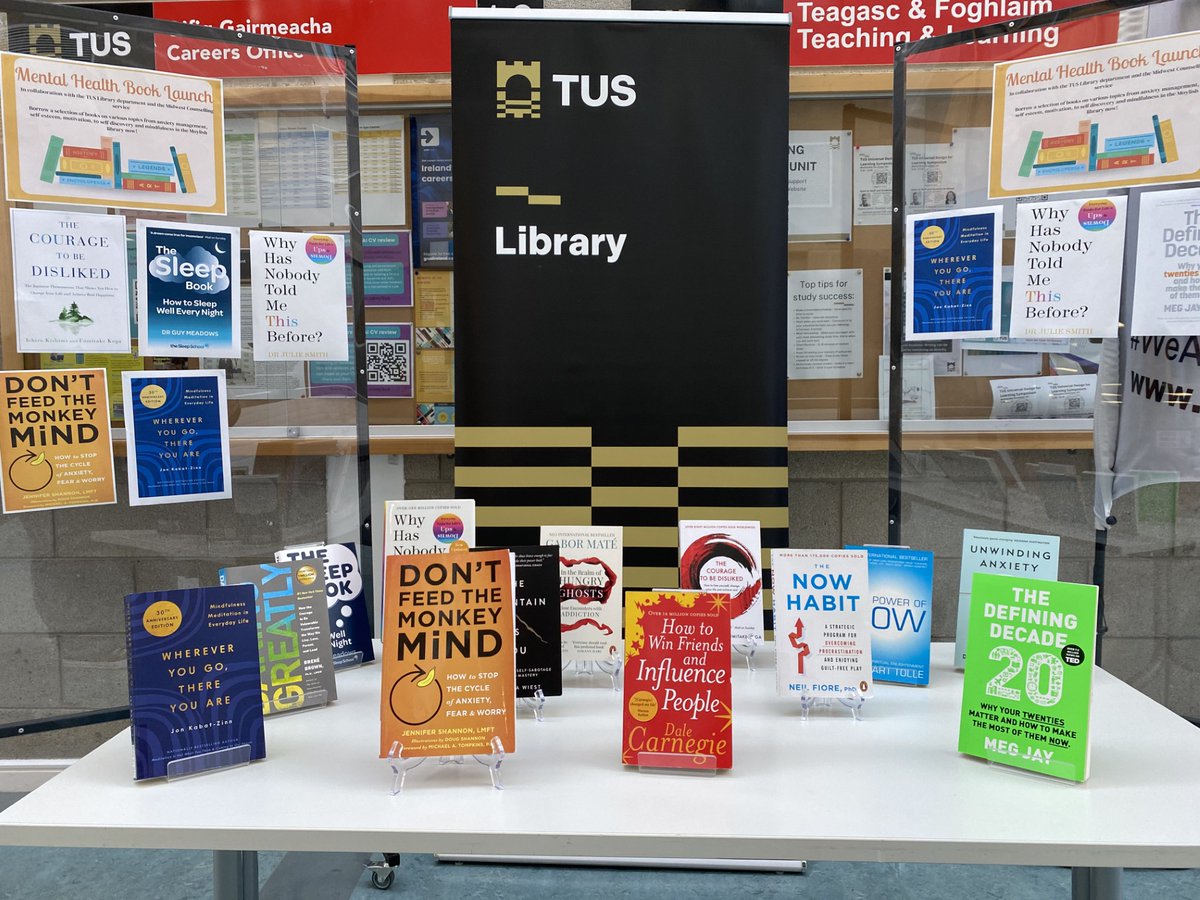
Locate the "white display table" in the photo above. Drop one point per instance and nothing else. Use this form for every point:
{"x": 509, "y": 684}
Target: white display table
{"x": 891, "y": 788}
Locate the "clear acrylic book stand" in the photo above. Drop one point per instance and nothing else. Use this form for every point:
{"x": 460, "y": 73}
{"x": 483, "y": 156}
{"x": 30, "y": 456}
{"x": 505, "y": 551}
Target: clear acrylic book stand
{"x": 676, "y": 763}
{"x": 226, "y": 758}
{"x": 401, "y": 765}
{"x": 537, "y": 703}
{"x": 610, "y": 667}
{"x": 351, "y": 660}
{"x": 312, "y": 700}
{"x": 852, "y": 699}
{"x": 747, "y": 649}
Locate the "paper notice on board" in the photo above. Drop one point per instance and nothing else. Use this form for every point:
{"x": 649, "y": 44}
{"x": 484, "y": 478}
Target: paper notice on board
{"x": 819, "y": 185}
{"x": 1166, "y": 290}
{"x": 872, "y": 185}
{"x": 1067, "y": 268}
{"x": 298, "y": 284}
{"x": 825, "y": 324}
{"x": 933, "y": 177}
{"x": 917, "y": 394}
{"x": 1047, "y": 397}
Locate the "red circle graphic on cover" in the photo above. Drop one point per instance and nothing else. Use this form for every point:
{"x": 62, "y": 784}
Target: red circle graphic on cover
{"x": 724, "y": 565}
{"x": 321, "y": 248}
{"x": 448, "y": 528}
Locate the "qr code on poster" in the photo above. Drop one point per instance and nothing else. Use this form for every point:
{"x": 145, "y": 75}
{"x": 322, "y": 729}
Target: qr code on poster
{"x": 882, "y": 178}
{"x": 1074, "y": 403}
{"x": 1021, "y": 406}
{"x": 389, "y": 362}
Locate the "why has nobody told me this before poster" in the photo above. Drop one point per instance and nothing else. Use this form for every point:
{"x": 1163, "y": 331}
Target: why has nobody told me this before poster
{"x": 297, "y": 291}
{"x": 70, "y": 282}
{"x": 177, "y": 434}
{"x": 189, "y": 290}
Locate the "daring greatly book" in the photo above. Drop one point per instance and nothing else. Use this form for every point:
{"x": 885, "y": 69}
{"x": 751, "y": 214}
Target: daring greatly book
{"x": 193, "y": 676}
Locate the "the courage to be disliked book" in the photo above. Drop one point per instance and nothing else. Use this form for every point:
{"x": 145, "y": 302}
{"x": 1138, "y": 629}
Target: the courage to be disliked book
{"x": 901, "y": 582}
{"x": 193, "y": 675}
{"x": 349, "y": 630}
{"x": 295, "y": 656}
{"x": 678, "y": 699}
{"x": 722, "y": 556}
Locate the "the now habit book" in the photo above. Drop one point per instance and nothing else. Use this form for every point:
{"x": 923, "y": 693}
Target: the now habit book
{"x": 449, "y": 674}
{"x": 193, "y": 676}
{"x": 678, "y": 710}
{"x": 1027, "y": 688}
{"x": 295, "y": 656}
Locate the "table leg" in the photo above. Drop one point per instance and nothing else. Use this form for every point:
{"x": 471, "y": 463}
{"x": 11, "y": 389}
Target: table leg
{"x": 235, "y": 875}
{"x": 1095, "y": 884}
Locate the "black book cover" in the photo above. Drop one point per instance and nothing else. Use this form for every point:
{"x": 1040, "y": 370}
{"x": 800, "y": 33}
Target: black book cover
{"x": 539, "y": 634}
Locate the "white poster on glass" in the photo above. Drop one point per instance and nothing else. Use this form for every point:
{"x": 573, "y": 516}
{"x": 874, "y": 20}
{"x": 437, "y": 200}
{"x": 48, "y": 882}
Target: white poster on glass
{"x": 819, "y": 185}
{"x": 872, "y": 185}
{"x": 825, "y": 324}
{"x": 1166, "y": 290}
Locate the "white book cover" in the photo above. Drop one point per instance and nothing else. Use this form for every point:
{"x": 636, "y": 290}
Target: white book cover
{"x": 589, "y": 569}
{"x": 428, "y": 526}
{"x": 822, "y": 622}
{"x": 725, "y": 557}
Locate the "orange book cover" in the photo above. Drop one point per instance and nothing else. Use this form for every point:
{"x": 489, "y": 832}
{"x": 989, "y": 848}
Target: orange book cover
{"x": 449, "y": 659}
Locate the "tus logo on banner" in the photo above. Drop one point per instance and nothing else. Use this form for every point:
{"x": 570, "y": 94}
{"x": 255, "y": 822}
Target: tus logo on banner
{"x": 519, "y": 89}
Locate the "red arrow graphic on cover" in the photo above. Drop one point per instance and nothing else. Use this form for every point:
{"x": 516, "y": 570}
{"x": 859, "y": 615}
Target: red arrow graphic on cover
{"x": 801, "y": 647}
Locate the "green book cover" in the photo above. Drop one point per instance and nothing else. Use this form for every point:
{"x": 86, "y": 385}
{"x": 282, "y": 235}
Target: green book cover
{"x": 1027, "y": 689}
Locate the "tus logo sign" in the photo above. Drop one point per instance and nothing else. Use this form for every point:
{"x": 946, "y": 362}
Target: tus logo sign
{"x": 519, "y": 89}
{"x": 529, "y": 240}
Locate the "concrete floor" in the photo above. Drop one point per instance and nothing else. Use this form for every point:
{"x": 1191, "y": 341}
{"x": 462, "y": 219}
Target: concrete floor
{"x": 72, "y": 874}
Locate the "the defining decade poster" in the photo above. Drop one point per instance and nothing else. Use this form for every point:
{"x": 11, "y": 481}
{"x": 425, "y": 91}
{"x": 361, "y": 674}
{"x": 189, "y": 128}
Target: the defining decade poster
{"x": 953, "y": 274}
{"x": 57, "y": 448}
{"x": 97, "y": 135}
{"x": 189, "y": 290}
{"x": 1166, "y": 290}
{"x": 297, "y": 286}
{"x": 177, "y": 434}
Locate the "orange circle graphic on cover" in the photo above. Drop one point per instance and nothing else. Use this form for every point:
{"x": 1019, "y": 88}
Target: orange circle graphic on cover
{"x": 306, "y": 574}
{"x": 932, "y": 237}
{"x": 152, "y": 396}
{"x": 458, "y": 545}
{"x": 643, "y": 706}
{"x": 162, "y": 619}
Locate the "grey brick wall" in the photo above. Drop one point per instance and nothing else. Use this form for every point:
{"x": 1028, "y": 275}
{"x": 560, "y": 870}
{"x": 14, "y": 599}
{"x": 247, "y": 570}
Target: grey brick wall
{"x": 63, "y": 574}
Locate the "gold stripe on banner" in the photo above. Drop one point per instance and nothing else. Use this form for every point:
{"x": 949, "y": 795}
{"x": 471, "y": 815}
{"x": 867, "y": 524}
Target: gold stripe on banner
{"x": 652, "y": 577}
{"x": 531, "y": 199}
{"x": 635, "y": 496}
{"x": 531, "y": 516}
{"x": 516, "y": 436}
{"x": 523, "y": 476}
{"x": 651, "y": 536}
{"x": 760, "y": 436}
{"x": 769, "y": 516}
{"x": 636, "y": 457}
{"x": 733, "y": 476}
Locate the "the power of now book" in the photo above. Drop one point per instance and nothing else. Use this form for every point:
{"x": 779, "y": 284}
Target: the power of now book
{"x": 901, "y": 582}
{"x": 1000, "y": 553}
{"x": 589, "y": 572}
{"x": 822, "y": 622}
{"x": 295, "y": 655}
{"x": 1027, "y": 688}
{"x": 428, "y": 526}
{"x": 678, "y": 704}
{"x": 726, "y": 557}
{"x": 349, "y": 630}
{"x": 449, "y": 666}
{"x": 193, "y": 676}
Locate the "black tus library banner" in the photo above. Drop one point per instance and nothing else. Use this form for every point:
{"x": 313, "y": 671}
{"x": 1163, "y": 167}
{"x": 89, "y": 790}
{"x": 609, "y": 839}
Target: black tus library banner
{"x": 620, "y": 206}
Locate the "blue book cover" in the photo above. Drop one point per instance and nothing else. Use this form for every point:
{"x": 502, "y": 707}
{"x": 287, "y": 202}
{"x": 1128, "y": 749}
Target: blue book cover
{"x": 349, "y": 630}
{"x": 954, "y": 274}
{"x": 193, "y": 675}
{"x": 901, "y": 582}
{"x": 189, "y": 290}
{"x": 177, "y": 436}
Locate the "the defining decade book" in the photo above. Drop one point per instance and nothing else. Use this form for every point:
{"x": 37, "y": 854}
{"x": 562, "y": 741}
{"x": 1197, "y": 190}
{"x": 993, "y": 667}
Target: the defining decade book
{"x": 295, "y": 658}
{"x": 193, "y": 675}
{"x": 449, "y": 677}
{"x": 589, "y": 569}
{"x": 822, "y": 622}
{"x": 901, "y": 582}
{"x": 428, "y": 526}
{"x": 1000, "y": 553}
{"x": 726, "y": 557}
{"x": 1027, "y": 689}
{"x": 349, "y": 630}
{"x": 539, "y": 639}
{"x": 678, "y": 709}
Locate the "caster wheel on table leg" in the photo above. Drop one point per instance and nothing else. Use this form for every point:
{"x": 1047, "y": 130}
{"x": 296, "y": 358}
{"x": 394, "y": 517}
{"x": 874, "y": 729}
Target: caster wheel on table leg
{"x": 382, "y": 880}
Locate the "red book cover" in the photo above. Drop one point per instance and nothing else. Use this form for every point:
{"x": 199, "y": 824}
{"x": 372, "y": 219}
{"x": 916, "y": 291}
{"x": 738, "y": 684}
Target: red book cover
{"x": 84, "y": 152}
{"x": 1065, "y": 140}
{"x": 678, "y": 710}
{"x": 142, "y": 184}
{"x": 1125, "y": 162}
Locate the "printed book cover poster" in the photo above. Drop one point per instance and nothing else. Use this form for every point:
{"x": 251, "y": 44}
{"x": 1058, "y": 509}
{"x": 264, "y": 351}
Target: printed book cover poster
{"x": 539, "y": 638}
{"x": 901, "y": 582}
{"x": 999, "y": 553}
{"x": 56, "y": 450}
{"x": 678, "y": 710}
{"x": 449, "y": 661}
{"x": 295, "y": 657}
{"x": 189, "y": 290}
{"x": 589, "y": 569}
{"x": 822, "y": 622}
{"x": 349, "y": 630}
{"x": 428, "y": 526}
{"x": 177, "y": 436}
{"x": 193, "y": 675}
{"x": 726, "y": 557}
{"x": 1027, "y": 688}
{"x": 953, "y": 274}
